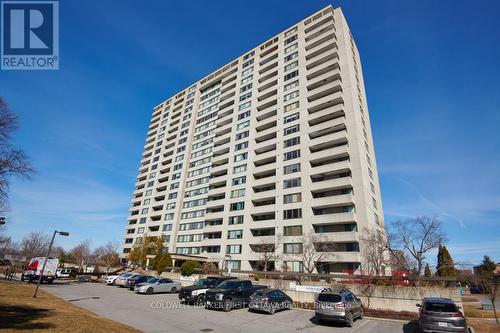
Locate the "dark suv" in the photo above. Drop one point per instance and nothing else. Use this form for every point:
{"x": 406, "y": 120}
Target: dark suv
{"x": 338, "y": 304}
{"x": 440, "y": 315}
{"x": 196, "y": 292}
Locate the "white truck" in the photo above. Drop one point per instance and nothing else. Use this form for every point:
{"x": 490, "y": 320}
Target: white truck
{"x": 34, "y": 269}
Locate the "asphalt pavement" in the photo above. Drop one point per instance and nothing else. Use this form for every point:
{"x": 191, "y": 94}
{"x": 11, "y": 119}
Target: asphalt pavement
{"x": 164, "y": 313}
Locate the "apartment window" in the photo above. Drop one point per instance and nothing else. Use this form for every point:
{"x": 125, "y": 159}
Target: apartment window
{"x": 170, "y": 205}
{"x": 152, "y": 175}
{"x": 237, "y": 205}
{"x": 199, "y": 171}
{"x": 238, "y": 193}
{"x": 198, "y": 191}
{"x": 244, "y": 115}
{"x": 293, "y": 230}
{"x": 290, "y": 40}
{"x": 248, "y": 55}
{"x": 241, "y": 145}
{"x": 169, "y": 216}
{"x": 292, "y": 248}
{"x": 142, "y": 220}
{"x": 291, "y": 106}
{"x": 293, "y": 266}
{"x": 248, "y": 63}
{"x": 291, "y": 56}
{"x": 290, "y": 118}
{"x": 235, "y": 234}
{"x": 291, "y": 129}
{"x": 235, "y": 220}
{"x": 194, "y": 203}
{"x": 172, "y": 195}
{"x": 372, "y": 187}
{"x": 290, "y": 32}
{"x": 289, "y": 183}
{"x": 243, "y": 125}
{"x": 291, "y": 75}
{"x": 245, "y": 96}
{"x": 291, "y": 155}
{"x": 240, "y": 168}
{"x": 246, "y": 79}
{"x": 291, "y": 168}
{"x": 291, "y": 95}
{"x": 177, "y": 166}
{"x": 151, "y": 183}
{"x": 234, "y": 264}
{"x": 374, "y": 202}
{"x": 242, "y": 135}
{"x": 241, "y": 157}
{"x": 292, "y": 142}
{"x": 179, "y": 158}
{"x": 176, "y": 176}
{"x": 291, "y": 85}
{"x": 245, "y": 105}
{"x": 245, "y": 88}
{"x": 140, "y": 230}
{"x": 167, "y": 227}
{"x": 193, "y": 214}
{"x": 149, "y": 192}
{"x": 144, "y": 210}
{"x": 173, "y": 186}
{"x": 247, "y": 71}
{"x": 239, "y": 180}
{"x": 146, "y": 202}
{"x": 292, "y": 214}
{"x": 291, "y": 48}
{"x": 233, "y": 249}
{"x": 291, "y": 66}
{"x": 291, "y": 198}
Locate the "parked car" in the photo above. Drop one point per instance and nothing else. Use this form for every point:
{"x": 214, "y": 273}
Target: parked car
{"x": 122, "y": 278}
{"x": 110, "y": 279}
{"x": 196, "y": 292}
{"x": 440, "y": 315}
{"x": 338, "y": 305}
{"x": 476, "y": 290}
{"x": 34, "y": 269}
{"x": 63, "y": 273}
{"x": 230, "y": 294}
{"x": 270, "y": 300}
{"x": 5, "y": 262}
{"x": 157, "y": 285}
{"x": 131, "y": 282}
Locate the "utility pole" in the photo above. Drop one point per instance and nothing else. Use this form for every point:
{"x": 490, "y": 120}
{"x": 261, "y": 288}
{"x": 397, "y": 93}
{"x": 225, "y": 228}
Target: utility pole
{"x": 62, "y": 233}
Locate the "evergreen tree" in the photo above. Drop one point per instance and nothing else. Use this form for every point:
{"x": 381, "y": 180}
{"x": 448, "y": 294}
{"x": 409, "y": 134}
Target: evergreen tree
{"x": 445, "y": 265}
{"x": 487, "y": 265}
{"x": 427, "y": 271}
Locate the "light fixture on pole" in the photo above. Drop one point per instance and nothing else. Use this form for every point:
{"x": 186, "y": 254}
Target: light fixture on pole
{"x": 62, "y": 233}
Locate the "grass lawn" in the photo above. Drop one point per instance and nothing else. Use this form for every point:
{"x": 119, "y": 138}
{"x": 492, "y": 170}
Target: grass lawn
{"x": 474, "y": 312}
{"x": 481, "y": 326}
{"x": 19, "y": 312}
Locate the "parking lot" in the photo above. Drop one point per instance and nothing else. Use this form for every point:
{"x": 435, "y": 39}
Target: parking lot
{"x": 164, "y": 313}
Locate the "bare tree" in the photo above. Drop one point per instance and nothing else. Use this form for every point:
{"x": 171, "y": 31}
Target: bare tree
{"x": 267, "y": 251}
{"x": 107, "y": 255}
{"x": 81, "y": 253}
{"x": 415, "y": 238}
{"x": 35, "y": 244}
{"x": 374, "y": 251}
{"x": 13, "y": 160}
{"x": 314, "y": 251}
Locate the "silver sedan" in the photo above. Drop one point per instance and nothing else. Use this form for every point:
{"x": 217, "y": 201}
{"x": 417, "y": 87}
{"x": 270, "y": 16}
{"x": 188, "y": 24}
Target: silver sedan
{"x": 158, "y": 285}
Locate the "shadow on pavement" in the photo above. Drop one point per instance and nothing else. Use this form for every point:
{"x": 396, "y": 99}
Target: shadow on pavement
{"x": 21, "y": 318}
{"x": 327, "y": 323}
{"x": 411, "y": 327}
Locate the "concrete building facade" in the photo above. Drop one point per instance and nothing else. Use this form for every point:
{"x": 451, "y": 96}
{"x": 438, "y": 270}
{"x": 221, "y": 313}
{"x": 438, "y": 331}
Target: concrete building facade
{"x": 267, "y": 161}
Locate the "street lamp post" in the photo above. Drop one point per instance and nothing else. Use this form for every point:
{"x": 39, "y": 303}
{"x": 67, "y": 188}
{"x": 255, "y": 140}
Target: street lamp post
{"x": 62, "y": 233}
{"x": 228, "y": 259}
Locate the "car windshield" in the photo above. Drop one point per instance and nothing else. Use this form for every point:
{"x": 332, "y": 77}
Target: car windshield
{"x": 329, "y": 298}
{"x": 152, "y": 280}
{"x": 205, "y": 283}
{"x": 440, "y": 307}
{"x": 229, "y": 284}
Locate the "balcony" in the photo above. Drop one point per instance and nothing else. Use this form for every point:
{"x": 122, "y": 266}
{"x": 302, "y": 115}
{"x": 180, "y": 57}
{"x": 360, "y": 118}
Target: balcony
{"x": 321, "y": 46}
{"x": 263, "y": 181}
{"x": 341, "y": 236}
{"x": 320, "y": 33}
{"x": 272, "y": 91}
{"x": 327, "y": 115}
{"x": 267, "y": 87}
{"x": 335, "y": 218}
{"x": 325, "y": 90}
{"x": 328, "y": 64}
{"x": 333, "y": 201}
{"x": 265, "y": 158}
{"x": 267, "y": 116}
{"x": 273, "y": 62}
{"x": 266, "y": 135}
{"x": 325, "y": 102}
{"x": 329, "y": 168}
{"x": 328, "y": 141}
{"x": 268, "y": 77}
{"x": 327, "y": 127}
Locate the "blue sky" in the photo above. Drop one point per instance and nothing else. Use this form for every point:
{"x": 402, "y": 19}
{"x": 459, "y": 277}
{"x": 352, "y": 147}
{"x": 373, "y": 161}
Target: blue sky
{"x": 431, "y": 71}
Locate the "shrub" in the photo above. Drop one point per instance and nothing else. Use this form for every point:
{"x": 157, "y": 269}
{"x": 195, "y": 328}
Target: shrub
{"x": 188, "y": 267}
{"x": 163, "y": 263}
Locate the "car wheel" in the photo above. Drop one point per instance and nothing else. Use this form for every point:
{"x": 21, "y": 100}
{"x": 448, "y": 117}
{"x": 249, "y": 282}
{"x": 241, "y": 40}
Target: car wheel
{"x": 272, "y": 309}
{"x": 200, "y": 300}
{"x": 349, "y": 319}
{"x": 22, "y": 277}
{"x": 149, "y": 291}
{"x": 289, "y": 305}
{"x": 228, "y": 304}
{"x": 173, "y": 290}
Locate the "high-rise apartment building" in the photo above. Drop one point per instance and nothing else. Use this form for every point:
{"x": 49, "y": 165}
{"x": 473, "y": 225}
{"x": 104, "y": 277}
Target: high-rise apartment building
{"x": 268, "y": 160}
